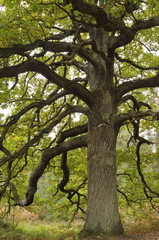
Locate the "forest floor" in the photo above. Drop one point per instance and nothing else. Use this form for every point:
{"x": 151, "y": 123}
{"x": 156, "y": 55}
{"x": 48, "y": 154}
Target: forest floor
{"x": 148, "y": 232}
{"x": 149, "y": 235}
{"x": 27, "y": 226}
{"x": 152, "y": 235}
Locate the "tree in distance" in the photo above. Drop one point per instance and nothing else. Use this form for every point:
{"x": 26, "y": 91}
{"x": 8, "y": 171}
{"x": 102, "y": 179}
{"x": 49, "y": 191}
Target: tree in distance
{"x": 72, "y": 74}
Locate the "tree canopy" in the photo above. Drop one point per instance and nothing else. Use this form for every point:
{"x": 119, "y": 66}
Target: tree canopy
{"x": 75, "y": 74}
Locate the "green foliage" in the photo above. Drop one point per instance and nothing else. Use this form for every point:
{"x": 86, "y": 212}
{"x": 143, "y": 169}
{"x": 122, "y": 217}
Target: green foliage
{"x": 27, "y": 22}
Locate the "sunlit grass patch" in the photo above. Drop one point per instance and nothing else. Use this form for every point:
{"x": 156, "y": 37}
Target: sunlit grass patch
{"x": 38, "y": 230}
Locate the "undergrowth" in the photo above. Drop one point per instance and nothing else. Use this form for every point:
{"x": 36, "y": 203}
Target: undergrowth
{"x": 16, "y": 227}
{"x": 35, "y": 229}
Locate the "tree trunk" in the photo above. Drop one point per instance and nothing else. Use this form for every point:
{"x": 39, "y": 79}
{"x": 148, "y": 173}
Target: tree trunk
{"x": 102, "y": 206}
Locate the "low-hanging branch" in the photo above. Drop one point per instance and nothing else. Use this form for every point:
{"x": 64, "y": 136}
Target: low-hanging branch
{"x": 138, "y": 163}
{"x": 71, "y": 192}
{"x": 140, "y": 141}
{"x": 44, "y": 162}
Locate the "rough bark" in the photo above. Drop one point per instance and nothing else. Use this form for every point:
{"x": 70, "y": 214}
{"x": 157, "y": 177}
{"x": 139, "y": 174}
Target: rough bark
{"x": 102, "y": 205}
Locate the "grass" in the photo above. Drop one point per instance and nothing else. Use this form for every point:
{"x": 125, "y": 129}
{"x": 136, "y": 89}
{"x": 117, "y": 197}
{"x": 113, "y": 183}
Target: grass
{"x": 22, "y": 224}
{"x": 38, "y": 230}
{"x": 27, "y": 226}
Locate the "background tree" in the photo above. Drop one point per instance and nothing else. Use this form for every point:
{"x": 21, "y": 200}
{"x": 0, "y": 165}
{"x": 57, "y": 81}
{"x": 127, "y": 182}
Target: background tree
{"x": 59, "y": 58}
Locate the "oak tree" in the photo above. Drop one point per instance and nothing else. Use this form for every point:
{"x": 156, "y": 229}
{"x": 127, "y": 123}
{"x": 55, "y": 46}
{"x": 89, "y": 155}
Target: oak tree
{"x": 59, "y": 58}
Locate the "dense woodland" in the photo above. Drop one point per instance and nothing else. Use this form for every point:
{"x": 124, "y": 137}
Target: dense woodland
{"x": 79, "y": 108}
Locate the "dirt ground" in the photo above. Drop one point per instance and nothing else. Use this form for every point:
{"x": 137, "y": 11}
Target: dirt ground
{"x": 148, "y": 234}
{"x": 138, "y": 236}
{"x": 153, "y": 235}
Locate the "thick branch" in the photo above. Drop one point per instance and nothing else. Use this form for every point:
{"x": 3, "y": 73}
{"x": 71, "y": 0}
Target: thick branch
{"x": 127, "y": 34}
{"x": 20, "y": 49}
{"x": 102, "y": 19}
{"x": 139, "y": 83}
{"x": 48, "y": 73}
{"x": 125, "y": 37}
{"x": 98, "y": 13}
{"x": 121, "y": 118}
{"x": 72, "y": 132}
{"x": 145, "y": 24}
{"x": 45, "y": 159}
